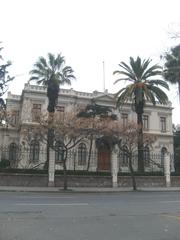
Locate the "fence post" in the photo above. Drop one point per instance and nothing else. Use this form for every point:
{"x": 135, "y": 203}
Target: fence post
{"x": 51, "y": 169}
{"x": 114, "y": 168}
{"x": 167, "y": 169}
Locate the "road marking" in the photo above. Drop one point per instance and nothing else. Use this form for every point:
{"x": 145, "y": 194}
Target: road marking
{"x": 171, "y": 216}
{"x": 171, "y": 201}
{"x": 51, "y": 204}
{"x": 38, "y": 197}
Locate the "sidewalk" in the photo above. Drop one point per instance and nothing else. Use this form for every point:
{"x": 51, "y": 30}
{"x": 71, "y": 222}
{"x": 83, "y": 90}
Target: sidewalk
{"x": 85, "y": 189}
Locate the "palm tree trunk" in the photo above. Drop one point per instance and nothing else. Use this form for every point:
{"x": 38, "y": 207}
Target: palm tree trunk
{"x": 140, "y": 143}
{"x": 50, "y": 140}
{"x": 46, "y": 165}
{"x": 132, "y": 172}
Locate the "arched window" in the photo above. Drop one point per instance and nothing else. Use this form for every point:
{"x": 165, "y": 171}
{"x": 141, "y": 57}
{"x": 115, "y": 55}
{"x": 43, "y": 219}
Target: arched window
{"x": 163, "y": 152}
{"x": 125, "y": 158}
{"x": 146, "y": 155}
{"x": 13, "y": 149}
{"x": 59, "y": 152}
{"x": 82, "y": 154}
{"x": 34, "y": 151}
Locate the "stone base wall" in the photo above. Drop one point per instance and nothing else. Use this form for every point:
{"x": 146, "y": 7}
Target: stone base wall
{"x": 142, "y": 181}
{"x": 41, "y": 180}
{"x": 24, "y": 180}
{"x": 85, "y": 181}
{"x": 175, "y": 181}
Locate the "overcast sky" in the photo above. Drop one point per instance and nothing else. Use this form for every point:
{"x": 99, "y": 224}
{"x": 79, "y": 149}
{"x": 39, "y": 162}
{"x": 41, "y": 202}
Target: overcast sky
{"x": 87, "y": 32}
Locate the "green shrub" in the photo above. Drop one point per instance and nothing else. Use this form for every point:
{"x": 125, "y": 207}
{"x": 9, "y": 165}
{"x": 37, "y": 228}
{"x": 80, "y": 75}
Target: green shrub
{"x": 4, "y": 163}
{"x": 83, "y": 173}
{"x": 177, "y": 173}
{"x": 141, "y": 174}
{"x": 23, "y": 171}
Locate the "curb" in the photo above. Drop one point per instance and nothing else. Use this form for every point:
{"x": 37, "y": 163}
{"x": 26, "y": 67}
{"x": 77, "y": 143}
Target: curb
{"x": 85, "y": 190}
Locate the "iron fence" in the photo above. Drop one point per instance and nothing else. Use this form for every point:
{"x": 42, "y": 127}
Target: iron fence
{"x": 152, "y": 161}
{"x": 15, "y": 156}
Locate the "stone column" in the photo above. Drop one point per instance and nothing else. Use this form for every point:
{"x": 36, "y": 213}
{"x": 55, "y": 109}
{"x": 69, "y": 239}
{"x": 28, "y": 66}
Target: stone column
{"x": 167, "y": 169}
{"x": 114, "y": 168}
{"x": 51, "y": 168}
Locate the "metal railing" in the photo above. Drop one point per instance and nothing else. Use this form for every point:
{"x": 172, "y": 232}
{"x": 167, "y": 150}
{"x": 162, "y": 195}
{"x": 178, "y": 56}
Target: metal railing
{"x": 15, "y": 156}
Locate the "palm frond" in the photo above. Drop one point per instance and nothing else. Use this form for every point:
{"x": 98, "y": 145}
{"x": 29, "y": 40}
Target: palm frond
{"x": 160, "y": 95}
{"x": 125, "y": 94}
{"x": 119, "y": 92}
{"x": 154, "y": 70}
{"x": 159, "y": 82}
{"x": 122, "y": 98}
{"x": 123, "y": 79}
{"x": 51, "y": 61}
{"x": 145, "y": 64}
{"x": 136, "y": 67}
{"x": 60, "y": 61}
{"x": 43, "y": 61}
{"x": 148, "y": 95}
{"x": 127, "y": 68}
{"x": 129, "y": 75}
{"x": 143, "y": 87}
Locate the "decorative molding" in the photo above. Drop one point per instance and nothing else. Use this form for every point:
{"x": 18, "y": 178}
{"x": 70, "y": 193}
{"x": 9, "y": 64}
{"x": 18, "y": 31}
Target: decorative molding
{"x": 163, "y": 114}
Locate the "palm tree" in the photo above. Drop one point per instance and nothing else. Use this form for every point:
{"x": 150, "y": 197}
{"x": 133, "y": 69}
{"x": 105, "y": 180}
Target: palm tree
{"x": 172, "y": 66}
{"x": 145, "y": 80}
{"x": 52, "y": 73}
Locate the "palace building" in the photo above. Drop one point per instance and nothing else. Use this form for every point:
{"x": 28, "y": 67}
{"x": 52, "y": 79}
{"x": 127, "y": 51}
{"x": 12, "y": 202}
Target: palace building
{"x": 26, "y": 107}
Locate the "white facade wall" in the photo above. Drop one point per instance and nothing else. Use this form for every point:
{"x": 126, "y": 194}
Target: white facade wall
{"x": 69, "y": 98}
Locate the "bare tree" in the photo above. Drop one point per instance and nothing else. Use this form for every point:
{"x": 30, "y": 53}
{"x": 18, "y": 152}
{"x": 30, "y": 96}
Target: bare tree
{"x": 68, "y": 130}
{"x": 127, "y": 136}
{"x": 5, "y": 78}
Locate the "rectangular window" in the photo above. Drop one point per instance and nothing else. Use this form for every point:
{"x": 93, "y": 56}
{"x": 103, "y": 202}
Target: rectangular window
{"x": 36, "y": 112}
{"x": 145, "y": 122}
{"x": 59, "y": 155}
{"x": 34, "y": 151}
{"x": 60, "y": 112}
{"x": 82, "y": 154}
{"x": 124, "y": 117}
{"x": 163, "y": 124}
{"x": 15, "y": 117}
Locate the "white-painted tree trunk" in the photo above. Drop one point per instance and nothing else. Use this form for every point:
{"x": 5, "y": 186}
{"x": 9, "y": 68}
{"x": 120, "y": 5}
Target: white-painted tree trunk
{"x": 114, "y": 168}
{"x": 167, "y": 169}
{"x": 51, "y": 169}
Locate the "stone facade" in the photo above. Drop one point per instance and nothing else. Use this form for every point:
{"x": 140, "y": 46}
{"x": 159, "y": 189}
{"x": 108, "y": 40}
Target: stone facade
{"x": 157, "y": 120}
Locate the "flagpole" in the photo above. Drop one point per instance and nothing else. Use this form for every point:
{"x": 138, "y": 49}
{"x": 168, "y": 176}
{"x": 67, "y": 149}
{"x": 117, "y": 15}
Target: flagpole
{"x": 104, "y": 77}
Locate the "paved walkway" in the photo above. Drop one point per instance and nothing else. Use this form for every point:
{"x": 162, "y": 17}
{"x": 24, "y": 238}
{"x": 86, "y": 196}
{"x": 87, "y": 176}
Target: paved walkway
{"x": 83, "y": 189}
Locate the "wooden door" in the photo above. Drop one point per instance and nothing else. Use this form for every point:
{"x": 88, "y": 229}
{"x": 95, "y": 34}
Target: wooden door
{"x": 104, "y": 162}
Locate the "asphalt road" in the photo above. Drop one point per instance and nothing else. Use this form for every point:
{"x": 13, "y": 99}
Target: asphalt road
{"x": 87, "y": 216}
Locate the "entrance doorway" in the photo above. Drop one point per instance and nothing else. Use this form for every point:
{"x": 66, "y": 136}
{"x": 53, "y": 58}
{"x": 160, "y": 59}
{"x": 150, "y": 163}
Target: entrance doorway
{"x": 104, "y": 162}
